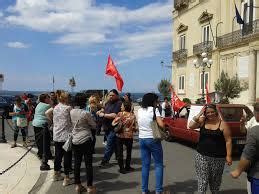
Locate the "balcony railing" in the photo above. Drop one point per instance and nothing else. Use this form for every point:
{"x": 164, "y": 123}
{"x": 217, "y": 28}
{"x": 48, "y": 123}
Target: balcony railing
{"x": 249, "y": 31}
{"x": 180, "y": 4}
{"x": 203, "y": 47}
{"x": 180, "y": 55}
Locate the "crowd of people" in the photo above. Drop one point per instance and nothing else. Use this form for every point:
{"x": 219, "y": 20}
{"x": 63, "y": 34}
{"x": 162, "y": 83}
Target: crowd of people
{"x": 60, "y": 118}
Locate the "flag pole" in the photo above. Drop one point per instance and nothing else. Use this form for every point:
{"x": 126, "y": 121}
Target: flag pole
{"x": 53, "y": 83}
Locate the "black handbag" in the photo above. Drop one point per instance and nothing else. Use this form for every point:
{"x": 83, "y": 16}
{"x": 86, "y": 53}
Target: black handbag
{"x": 118, "y": 127}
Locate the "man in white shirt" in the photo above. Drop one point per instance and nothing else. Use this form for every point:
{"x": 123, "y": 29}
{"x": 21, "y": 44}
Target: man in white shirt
{"x": 166, "y": 108}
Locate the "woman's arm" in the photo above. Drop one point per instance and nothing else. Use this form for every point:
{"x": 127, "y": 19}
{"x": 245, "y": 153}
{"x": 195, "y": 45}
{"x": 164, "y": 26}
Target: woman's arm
{"x": 90, "y": 121}
{"x": 116, "y": 120}
{"x": 160, "y": 122}
{"x": 243, "y": 165}
{"x": 135, "y": 124}
{"x": 198, "y": 120}
{"x": 49, "y": 114}
{"x": 248, "y": 155}
{"x": 228, "y": 139}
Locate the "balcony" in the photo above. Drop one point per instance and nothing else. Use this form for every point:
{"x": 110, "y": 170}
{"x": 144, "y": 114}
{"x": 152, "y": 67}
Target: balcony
{"x": 180, "y": 55}
{"x": 249, "y": 32}
{"x": 203, "y": 47}
{"x": 180, "y": 4}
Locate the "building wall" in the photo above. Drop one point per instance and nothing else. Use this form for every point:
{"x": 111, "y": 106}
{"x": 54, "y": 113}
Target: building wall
{"x": 229, "y": 59}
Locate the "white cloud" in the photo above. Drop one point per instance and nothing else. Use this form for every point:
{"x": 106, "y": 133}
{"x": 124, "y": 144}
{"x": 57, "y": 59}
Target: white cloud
{"x": 143, "y": 45}
{"x": 81, "y": 38}
{"x": 18, "y": 45}
{"x": 82, "y": 22}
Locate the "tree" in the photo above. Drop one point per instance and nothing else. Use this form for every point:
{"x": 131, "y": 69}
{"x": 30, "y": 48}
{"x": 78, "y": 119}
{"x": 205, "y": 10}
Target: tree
{"x": 164, "y": 87}
{"x": 72, "y": 83}
{"x": 187, "y": 100}
{"x": 229, "y": 87}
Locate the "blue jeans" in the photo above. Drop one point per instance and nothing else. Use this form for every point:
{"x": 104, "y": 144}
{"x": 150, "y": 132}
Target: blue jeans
{"x": 254, "y": 185}
{"x": 152, "y": 147}
{"x": 110, "y": 146}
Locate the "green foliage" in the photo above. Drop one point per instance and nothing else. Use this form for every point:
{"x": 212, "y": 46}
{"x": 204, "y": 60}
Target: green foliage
{"x": 187, "y": 100}
{"x": 229, "y": 87}
{"x": 72, "y": 82}
{"x": 164, "y": 87}
{"x": 198, "y": 101}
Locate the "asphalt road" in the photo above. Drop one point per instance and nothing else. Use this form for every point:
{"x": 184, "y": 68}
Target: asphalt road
{"x": 179, "y": 173}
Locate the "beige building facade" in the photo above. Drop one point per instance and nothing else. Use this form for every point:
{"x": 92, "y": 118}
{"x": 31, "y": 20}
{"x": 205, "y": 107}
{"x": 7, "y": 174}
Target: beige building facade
{"x": 210, "y": 26}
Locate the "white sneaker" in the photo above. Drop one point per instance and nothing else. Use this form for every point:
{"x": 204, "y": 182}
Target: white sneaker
{"x": 66, "y": 181}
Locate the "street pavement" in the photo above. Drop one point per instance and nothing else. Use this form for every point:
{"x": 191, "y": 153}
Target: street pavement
{"x": 179, "y": 173}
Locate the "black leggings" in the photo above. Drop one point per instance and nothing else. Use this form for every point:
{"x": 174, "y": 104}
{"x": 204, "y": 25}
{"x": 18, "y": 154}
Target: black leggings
{"x": 128, "y": 143}
{"x": 85, "y": 150}
{"x": 38, "y": 131}
{"x": 16, "y": 132}
{"x": 59, "y": 153}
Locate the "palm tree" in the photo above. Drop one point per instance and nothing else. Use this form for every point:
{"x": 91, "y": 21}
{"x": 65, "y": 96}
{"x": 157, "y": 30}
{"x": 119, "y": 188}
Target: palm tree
{"x": 72, "y": 83}
{"x": 164, "y": 87}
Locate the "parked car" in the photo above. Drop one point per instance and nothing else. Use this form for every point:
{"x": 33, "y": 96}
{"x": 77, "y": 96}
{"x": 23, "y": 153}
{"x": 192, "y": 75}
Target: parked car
{"x": 7, "y": 103}
{"x": 230, "y": 113}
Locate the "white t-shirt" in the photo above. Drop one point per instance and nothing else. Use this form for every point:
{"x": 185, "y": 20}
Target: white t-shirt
{"x": 251, "y": 123}
{"x": 163, "y": 110}
{"x": 145, "y": 117}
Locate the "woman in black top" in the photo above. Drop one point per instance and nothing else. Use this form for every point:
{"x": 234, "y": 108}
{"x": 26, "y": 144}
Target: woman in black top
{"x": 214, "y": 148}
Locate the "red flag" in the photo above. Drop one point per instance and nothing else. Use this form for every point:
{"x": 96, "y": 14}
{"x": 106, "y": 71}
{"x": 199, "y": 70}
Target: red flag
{"x": 112, "y": 71}
{"x": 176, "y": 102}
{"x": 207, "y": 94}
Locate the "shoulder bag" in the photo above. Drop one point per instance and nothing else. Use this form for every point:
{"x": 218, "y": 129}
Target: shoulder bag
{"x": 68, "y": 144}
{"x": 21, "y": 122}
{"x": 158, "y": 132}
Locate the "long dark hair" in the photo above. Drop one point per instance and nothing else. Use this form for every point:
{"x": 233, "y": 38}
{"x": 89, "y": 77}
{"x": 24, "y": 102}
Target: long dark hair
{"x": 149, "y": 99}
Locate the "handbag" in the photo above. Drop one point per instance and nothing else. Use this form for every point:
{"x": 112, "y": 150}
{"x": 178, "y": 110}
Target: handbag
{"x": 158, "y": 132}
{"x": 68, "y": 144}
{"x": 118, "y": 127}
{"x": 21, "y": 122}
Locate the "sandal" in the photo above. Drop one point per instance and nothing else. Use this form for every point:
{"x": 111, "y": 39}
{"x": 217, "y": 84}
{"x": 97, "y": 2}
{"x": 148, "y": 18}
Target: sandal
{"x": 91, "y": 189}
{"x": 80, "y": 189}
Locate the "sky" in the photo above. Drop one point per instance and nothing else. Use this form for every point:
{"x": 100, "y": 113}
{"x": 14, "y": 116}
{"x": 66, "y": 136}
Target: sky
{"x": 40, "y": 39}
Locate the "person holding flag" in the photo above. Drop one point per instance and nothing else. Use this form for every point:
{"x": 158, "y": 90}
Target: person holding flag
{"x": 177, "y": 104}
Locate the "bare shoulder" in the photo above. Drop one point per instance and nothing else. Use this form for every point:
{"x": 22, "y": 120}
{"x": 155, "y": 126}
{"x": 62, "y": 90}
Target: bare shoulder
{"x": 224, "y": 126}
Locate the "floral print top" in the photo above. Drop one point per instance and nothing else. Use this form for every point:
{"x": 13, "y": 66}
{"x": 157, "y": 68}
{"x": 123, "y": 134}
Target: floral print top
{"x": 129, "y": 123}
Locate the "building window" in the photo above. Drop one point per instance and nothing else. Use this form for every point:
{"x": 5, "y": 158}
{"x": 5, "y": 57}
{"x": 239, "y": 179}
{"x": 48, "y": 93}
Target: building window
{"x": 182, "y": 42}
{"x": 181, "y": 84}
{"x": 245, "y": 11}
{"x": 204, "y": 80}
{"x": 248, "y": 10}
{"x": 206, "y": 33}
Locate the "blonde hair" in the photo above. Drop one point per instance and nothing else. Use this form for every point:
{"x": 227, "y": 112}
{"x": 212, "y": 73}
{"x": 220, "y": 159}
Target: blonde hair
{"x": 94, "y": 101}
{"x": 63, "y": 97}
